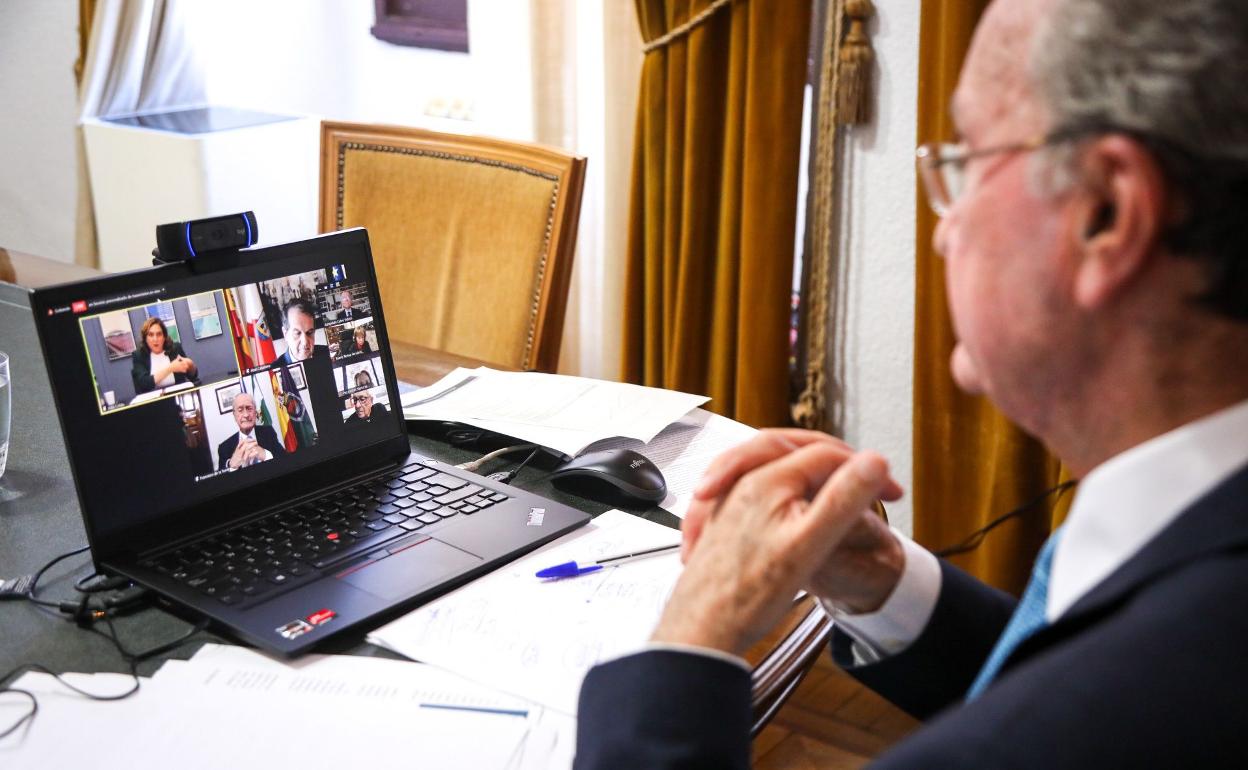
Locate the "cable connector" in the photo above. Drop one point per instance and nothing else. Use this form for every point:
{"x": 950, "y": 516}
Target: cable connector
{"x": 124, "y": 599}
{"x": 97, "y": 583}
{"x": 81, "y": 610}
{"x": 17, "y": 588}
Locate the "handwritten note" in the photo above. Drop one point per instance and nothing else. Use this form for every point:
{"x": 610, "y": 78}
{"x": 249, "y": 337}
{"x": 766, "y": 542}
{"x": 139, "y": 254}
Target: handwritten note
{"x": 538, "y": 638}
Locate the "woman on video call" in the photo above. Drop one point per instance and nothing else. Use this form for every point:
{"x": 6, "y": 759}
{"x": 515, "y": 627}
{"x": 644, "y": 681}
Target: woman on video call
{"x": 159, "y": 361}
{"x": 359, "y": 343}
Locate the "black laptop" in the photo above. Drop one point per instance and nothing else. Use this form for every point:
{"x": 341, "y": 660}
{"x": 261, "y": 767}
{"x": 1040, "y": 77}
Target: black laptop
{"x": 236, "y": 438}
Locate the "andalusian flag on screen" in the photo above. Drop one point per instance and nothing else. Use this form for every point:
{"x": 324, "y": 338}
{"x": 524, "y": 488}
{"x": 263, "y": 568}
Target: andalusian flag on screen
{"x": 265, "y": 417}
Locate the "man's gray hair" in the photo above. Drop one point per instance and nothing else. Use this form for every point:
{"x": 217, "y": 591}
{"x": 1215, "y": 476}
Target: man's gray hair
{"x": 1173, "y": 74}
{"x": 1173, "y": 70}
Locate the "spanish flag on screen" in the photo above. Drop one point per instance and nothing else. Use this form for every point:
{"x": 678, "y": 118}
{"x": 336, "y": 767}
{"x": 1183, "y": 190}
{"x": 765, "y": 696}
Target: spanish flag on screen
{"x": 242, "y": 346}
{"x": 284, "y": 428}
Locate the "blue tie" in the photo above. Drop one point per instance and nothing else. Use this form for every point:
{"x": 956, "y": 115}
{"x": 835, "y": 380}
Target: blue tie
{"x": 1028, "y": 618}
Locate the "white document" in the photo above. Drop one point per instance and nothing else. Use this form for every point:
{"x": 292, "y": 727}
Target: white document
{"x": 684, "y": 450}
{"x": 214, "y": 716}
{"x": 538, "y": 638}
{"x": 549, "y": 742}
{"x": 556, "y": 411}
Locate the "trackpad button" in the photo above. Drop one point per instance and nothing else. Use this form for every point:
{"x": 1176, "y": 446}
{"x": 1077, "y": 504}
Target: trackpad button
{"x": 413, "y": 568}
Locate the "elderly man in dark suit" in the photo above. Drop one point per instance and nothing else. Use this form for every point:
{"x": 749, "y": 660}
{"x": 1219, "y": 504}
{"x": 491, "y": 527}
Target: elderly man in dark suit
{"x": 252, "y": 443}
{"x": 1097, "y": 269}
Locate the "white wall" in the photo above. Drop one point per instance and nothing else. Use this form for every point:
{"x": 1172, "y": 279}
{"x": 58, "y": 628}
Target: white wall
{"x": 318, "y": 57}
{"x": 878, "y": 278}
{"x": 38, "y": 187}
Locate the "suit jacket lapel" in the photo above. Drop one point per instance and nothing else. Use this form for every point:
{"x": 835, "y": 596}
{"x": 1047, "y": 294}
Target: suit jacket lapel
{"x": 1218, "y": 521}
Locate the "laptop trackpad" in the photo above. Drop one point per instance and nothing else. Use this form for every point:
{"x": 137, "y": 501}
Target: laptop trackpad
{"x": 411, "y": 569}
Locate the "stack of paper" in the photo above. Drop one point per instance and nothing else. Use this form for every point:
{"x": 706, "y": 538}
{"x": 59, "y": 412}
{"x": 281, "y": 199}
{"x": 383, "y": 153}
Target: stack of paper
{"x": 538, "y": 638}
{"x": 563, "y": 413}
{"x": 230, "y": 707}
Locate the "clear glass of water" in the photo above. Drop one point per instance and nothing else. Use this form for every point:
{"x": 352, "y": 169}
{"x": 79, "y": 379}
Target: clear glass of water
{"x": 4, "y": 410}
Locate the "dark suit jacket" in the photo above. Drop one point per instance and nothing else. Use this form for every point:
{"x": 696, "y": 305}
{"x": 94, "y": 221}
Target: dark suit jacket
{"x": 266, "y": 437}
{"x": 141, "y": 367}
{"x": 1146, "y": 670}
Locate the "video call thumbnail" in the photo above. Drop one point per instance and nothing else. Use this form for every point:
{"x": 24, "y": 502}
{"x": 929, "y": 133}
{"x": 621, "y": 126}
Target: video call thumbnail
{"x": 355, "y": 375}
{"x": 146, "y": 352}
{"x": 366, "y": 406}
{"x": 260, "y": 417}
{"x": 276, "y": 321}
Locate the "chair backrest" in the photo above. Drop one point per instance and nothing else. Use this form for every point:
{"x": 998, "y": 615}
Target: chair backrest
{"x": 473, "y": 237}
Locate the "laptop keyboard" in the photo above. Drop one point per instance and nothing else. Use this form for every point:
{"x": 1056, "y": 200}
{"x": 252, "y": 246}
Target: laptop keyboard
{"x": 258, "y": 557}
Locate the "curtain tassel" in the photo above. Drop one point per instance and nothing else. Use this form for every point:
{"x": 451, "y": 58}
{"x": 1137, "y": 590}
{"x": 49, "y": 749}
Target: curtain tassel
{"x": 808, "y": 411}
{"x": 856, "y": 61}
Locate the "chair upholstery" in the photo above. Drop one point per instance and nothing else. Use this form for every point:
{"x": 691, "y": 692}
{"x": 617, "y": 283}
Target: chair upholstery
{"x": 472, "y": 237}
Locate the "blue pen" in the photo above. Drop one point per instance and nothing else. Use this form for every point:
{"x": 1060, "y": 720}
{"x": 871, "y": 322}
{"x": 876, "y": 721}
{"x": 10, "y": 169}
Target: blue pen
{"x": 572, "y": 569}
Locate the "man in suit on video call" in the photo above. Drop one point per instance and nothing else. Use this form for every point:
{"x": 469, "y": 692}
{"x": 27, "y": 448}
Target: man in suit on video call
{"x": 1096, "y": 255}
{"x": 252, "y": 443}
{"x": 299, "y": 332}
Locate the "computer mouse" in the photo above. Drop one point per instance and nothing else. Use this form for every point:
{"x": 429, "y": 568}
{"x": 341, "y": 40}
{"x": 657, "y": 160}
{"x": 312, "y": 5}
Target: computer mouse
{"x": 622, "y": 470}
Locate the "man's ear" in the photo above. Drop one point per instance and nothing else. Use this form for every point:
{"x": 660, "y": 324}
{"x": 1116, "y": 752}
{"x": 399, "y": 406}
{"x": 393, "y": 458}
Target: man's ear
{"x": 1122, "y": 211}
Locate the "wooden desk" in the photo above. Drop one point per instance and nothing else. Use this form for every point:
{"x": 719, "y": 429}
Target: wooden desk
{"x": 30, "y": 537}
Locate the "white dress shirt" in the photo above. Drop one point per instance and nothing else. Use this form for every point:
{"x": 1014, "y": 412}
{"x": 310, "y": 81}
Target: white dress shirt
{"x": 252, "y": 437}
{"x": 1121, "y": 505}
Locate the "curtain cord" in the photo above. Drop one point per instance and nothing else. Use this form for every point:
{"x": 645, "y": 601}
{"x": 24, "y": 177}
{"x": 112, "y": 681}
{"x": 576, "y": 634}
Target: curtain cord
{"x": 684, "y": 29}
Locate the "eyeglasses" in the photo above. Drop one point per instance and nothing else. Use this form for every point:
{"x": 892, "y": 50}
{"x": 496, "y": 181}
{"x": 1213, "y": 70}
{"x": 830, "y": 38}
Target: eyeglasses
{"x": 361, "y": 399}
{"x": 942, "y": 166}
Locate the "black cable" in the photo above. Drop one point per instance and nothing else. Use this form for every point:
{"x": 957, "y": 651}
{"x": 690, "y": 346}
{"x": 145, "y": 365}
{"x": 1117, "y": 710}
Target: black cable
{"x": 30, "y": 592}
{"x": 29, "y": 715}
{"x": 973, "y": 540}
{"x": 507, "y": 476}
{"x": 103, "y": 609}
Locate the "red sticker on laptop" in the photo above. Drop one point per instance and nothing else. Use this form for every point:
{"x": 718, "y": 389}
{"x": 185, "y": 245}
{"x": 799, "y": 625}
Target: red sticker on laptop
{"x": 321, "y": 616}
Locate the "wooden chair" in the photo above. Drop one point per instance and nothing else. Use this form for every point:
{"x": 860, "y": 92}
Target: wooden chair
{"x": 473, "y": 237}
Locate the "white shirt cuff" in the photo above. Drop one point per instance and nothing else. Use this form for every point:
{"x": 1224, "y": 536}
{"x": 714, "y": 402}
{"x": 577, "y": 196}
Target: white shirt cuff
{"x": 903, "y": 616}
{"x": 692, "y": 649}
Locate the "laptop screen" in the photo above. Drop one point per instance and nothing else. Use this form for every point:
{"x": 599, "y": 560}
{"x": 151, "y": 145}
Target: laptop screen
{"x": 203, "y": 394}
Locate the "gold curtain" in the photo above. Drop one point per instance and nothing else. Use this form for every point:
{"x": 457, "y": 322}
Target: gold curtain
{"x": 970, "y": 463}
{"x": 86, "y": 14}
{"x": 714, "y": 197}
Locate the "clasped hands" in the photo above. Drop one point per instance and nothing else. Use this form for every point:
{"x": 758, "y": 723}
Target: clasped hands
{"x": 182, "y": 365}
{"x": 248, "y": 452}
{"x": 790, "y": 509}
